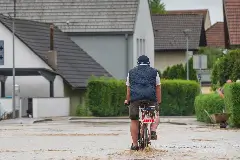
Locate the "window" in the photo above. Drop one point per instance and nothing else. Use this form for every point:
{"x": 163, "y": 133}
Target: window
{"x": 141, "y": 47}
{"x": 138, "y": 47}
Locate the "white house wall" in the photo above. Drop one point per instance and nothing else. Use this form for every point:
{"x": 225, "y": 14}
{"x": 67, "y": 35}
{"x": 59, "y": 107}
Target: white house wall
{"x": 144, "y": 30}
{"x": 30, "y": 86}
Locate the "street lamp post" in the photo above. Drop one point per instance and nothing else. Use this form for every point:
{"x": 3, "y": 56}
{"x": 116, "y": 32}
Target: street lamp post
{"x": 186, "y": 33}
{"x": 13, "y": 60}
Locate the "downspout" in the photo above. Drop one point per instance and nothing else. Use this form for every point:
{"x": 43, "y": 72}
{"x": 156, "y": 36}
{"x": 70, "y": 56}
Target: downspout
{"x": 127, "y": 58}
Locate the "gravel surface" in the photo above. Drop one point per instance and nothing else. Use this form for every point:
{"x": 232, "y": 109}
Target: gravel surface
{"x": 62, "y": 140}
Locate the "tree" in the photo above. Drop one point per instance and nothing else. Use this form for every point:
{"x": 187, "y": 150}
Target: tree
{"x": 157, "y": 6}
{"x": 212, "y": 55}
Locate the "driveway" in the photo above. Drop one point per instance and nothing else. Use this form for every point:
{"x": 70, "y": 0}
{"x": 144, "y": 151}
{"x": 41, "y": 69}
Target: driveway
{"x": 58, "y": 140}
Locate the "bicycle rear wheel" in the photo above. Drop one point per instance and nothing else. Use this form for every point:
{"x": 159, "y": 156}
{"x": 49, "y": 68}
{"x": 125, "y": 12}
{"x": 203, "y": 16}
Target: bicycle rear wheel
{"x": 145, "y": 136}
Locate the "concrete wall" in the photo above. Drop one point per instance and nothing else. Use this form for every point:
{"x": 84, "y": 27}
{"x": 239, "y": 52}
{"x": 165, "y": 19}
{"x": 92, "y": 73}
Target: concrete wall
{"x": 144, "y": 30}
{"x": 50, "y": 107}
{"x": 109, "y": 51}
{"x": 165, "y": 59}
{"x": 31, "y": 86}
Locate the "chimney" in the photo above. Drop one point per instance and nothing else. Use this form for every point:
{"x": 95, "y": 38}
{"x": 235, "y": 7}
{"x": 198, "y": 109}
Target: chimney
{"x": 52, "y": 54}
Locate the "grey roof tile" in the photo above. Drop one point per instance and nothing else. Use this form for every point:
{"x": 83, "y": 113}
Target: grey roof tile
{"x": 83, "y": 15}
{"x": 74, "y": 64}
{"x": 168, "y": 30}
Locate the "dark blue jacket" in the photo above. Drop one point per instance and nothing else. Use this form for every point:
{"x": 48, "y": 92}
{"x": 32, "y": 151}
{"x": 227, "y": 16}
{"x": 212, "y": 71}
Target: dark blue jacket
{"x": 142, "y": 81}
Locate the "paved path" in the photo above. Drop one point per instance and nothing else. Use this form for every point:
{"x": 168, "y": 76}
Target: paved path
{"x": 58, "y": 140}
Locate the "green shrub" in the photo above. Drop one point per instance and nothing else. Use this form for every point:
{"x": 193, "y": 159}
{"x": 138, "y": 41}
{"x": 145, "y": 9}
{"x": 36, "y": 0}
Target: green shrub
{"x": 105, "y": 97}
{"x": 83, "y": 111}
{"x": 192, "y": 72}
{"x": 178, "y": 97}
{"x": 179, "y": 72}
{"x": 232, "y": 102}
{"x": 226, "y": 67}
{"x": 212, "y": 103}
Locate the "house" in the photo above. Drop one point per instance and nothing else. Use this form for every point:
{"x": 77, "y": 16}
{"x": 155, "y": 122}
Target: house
{"x": 113, "y": 32}
{"x": 231, "y": 11}
{"x": 171, "y": 41}
{"x": 215, "y": 35}
{"x": 204, "y": 12}
{"x": 45, "y": 65}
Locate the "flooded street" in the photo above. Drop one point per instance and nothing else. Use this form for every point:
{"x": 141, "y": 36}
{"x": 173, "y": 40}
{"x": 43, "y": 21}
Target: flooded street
{"x": 95, "y": 141}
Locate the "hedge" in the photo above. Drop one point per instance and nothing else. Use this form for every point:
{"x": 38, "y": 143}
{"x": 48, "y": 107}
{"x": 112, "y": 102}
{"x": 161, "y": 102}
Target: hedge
{"x": 232, "y": 102}
{"x": 212, "y": 103}
{"x": 105, "y": 97}
{"x": 226, "y": 67}
{"x": 178, "y": 97}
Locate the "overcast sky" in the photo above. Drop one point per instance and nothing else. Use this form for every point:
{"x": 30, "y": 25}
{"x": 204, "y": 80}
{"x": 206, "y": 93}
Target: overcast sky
{"x": 214, "y": 7}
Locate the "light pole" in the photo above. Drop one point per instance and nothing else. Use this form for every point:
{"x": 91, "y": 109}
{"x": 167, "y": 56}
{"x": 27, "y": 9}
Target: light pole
{"x": 13, "y": 69}
{"x": 186, "y": 33}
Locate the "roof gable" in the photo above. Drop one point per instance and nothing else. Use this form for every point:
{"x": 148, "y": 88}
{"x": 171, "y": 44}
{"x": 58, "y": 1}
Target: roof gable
{"x": 82, "y": 15}
{"x": 215, "y": 35}
{"x": 74, "y": 64}
{"x": 232, "y": 15}
{"x": 169, "y": 33}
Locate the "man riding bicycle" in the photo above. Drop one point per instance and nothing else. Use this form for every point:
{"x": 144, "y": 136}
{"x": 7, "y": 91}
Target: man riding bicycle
{"x": 143, "y": 84}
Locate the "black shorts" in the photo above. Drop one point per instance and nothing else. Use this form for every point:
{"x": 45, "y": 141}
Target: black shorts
{"x": 134, "y": 109}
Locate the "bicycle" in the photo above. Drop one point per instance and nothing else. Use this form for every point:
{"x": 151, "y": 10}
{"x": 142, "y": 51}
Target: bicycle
{"x": 147, "y": 115}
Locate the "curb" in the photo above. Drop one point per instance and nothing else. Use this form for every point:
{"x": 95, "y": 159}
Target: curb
{"x": 42, "y": 120}
{"x": 107, "y": 118}
{"x": 105, "y": 122}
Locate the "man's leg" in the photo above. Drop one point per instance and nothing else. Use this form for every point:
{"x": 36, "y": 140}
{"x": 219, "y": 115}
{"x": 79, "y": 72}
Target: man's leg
{"x": 134, "y": 116}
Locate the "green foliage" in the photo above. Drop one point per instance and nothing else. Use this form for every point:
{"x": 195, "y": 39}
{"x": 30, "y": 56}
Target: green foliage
{"x": 83, "y": 111}
{"x": 165, "y": 73}
{"x": 232, "y": 102}
{"x": 226, "y": 67}
{"x": 105, "y": 97}
{"x": 180, "y": 72}
{"x": 157, "y": 7}
{"x": 212, "y": 103}
{"x": 176, "y": 72}
{"x": 178, "y": 97}
{"x": 212, "y": 55}
{"x": 192, "y": 72}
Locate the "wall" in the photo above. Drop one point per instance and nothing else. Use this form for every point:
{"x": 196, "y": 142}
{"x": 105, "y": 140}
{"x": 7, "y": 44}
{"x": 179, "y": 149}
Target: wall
{"x": 109, "y": 51}
{"x": 50, "y": 107}
{"x": 76, "y": 98}
{"x": 207, "y": 23}
{"x": 5, "y": 105}
{"x": 165, "y": 59}
{"x": 31, "y": 86}
{"x": 144, "y": 30}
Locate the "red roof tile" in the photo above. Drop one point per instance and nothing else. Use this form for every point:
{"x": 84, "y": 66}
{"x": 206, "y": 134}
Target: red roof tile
{"x": 215, "y": 35}
{"x": 232, "y": 13}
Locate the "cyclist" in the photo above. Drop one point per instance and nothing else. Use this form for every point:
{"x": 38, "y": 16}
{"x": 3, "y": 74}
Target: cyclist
{"x": 143, "y": 83}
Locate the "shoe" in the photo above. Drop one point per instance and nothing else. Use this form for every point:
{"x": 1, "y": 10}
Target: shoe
{"x": 153, "y": 135}
{"x": 134, "y": 148}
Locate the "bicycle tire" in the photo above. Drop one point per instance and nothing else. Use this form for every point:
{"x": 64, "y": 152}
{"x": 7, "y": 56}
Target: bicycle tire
{"x": 145, "y": 136}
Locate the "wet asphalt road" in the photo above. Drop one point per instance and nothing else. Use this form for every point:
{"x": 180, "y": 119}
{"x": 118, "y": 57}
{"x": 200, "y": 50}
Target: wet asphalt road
{"x": 70, "y": 141}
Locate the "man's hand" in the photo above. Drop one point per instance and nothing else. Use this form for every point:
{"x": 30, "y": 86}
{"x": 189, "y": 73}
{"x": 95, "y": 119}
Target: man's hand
{"x": 126, "y": 102}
